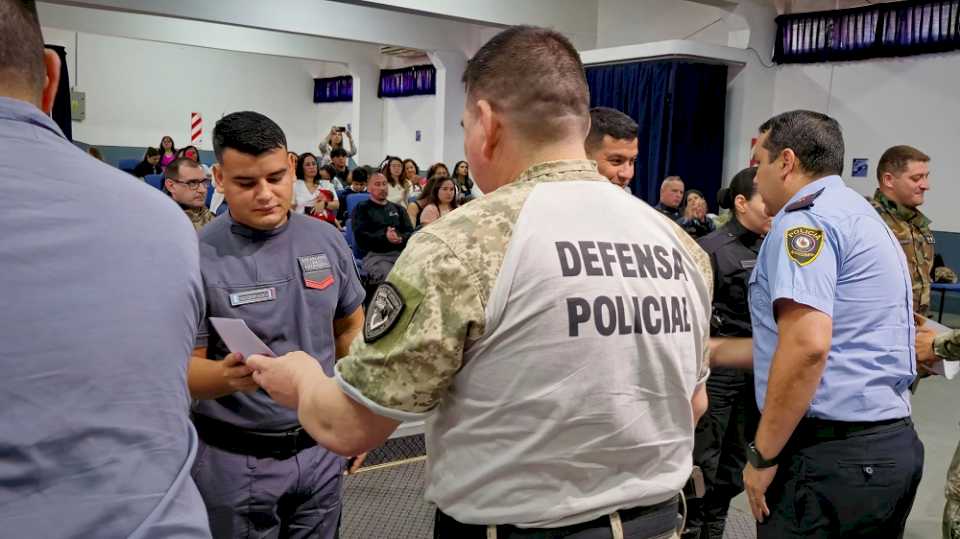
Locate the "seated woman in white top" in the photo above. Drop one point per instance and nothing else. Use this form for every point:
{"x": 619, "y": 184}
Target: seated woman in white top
{"x": 398, "y": 188}
{"x": 308, "y": 191}
{"x": 441, "y": 201}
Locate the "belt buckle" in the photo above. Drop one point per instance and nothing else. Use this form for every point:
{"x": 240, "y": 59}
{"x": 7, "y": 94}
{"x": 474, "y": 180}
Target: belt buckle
{"x": 293, "y": 436}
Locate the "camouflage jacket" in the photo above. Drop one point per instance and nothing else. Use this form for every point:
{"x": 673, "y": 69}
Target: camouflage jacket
{"x": 445, "y": 277}
{"x": 912, "y": 228}
{"x": 199, "y": 216}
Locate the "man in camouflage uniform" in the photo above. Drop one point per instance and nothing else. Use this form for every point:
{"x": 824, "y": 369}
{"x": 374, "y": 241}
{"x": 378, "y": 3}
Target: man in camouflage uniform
{"x": 561, "y": 361}
{"x": 903, "y": 174}
{"x": 185, "y": 181}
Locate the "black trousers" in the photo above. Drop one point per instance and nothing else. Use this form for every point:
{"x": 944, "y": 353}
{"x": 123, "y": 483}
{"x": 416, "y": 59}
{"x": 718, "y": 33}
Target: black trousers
{"x": 655, "y": 522}
{"x": 719, "y": 450}
{"x": 859, "y": 485}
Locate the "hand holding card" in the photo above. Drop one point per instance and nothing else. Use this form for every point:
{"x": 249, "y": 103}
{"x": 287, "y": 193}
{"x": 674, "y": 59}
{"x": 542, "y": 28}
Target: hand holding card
{"x": 239, "y": 339}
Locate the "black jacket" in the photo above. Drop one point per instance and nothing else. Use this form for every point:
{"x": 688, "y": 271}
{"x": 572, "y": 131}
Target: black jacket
{"x": 733, "y": 254}
{"x": 370, "y": 222}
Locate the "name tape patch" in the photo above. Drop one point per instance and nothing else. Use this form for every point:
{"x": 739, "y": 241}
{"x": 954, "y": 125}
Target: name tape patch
{"x": 253, "y": 296}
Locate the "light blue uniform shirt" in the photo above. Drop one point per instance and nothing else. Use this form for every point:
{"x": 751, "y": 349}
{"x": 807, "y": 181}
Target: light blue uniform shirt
{"x": 101, "y": 300}
{"x": 833, "y": 253}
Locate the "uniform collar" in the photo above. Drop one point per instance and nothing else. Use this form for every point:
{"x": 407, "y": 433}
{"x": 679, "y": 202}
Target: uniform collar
{"x": 737, "y": 230}
{"x": 568, "y": 169}
{"x": 255, "y": 234}
{"x": 21, "y": 111}
{"x": 910, "y": 215}
{"x": 827, "y": 182}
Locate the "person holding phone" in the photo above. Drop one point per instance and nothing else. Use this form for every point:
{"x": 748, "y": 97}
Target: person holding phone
{"x": 334, "y": 140}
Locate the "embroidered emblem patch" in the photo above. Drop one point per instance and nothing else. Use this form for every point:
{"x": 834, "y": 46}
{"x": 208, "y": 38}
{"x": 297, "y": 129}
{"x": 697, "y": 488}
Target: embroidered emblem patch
{"x": 316, "y": 271}
{"x": 804, "y": 244}
{"x": 384, "y": 311}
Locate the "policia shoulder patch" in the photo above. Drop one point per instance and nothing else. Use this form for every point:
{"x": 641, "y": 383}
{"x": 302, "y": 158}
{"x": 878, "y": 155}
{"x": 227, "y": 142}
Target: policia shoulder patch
{"x": 803, "y": 244}
{"x": 384, "y": 311}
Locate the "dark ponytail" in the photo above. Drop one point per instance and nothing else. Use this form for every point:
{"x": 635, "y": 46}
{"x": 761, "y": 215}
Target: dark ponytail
{"x": 741, "y": 184}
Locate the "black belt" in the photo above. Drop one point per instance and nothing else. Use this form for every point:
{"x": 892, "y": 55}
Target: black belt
{"x": 277, "y": 445}
{"x": 824, "y": 429}
{"x": 626, "y": 515}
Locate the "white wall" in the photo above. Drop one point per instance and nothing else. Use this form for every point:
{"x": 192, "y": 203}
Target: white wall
{"x": 137, "y": 91}
{"x": 881, "y": 103}
{"x": 628, "y": 22}
{"x": 402, "y": 117}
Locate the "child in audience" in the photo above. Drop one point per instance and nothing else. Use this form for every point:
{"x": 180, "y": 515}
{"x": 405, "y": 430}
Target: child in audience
{"x": 334, "y": 140}
{"x": 149, "y": 165}
{"x": 168, "y": 151}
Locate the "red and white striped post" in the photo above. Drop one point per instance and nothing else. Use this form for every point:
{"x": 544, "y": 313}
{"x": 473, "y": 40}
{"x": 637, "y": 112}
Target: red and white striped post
{"x": 196, "y": 128}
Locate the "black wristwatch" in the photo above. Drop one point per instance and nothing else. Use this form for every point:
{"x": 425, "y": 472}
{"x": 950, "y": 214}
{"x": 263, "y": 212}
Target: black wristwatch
{"x": 756, "y": 459}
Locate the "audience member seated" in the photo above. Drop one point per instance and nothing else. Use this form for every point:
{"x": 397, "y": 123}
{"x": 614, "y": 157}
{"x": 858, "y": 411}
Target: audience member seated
{"x": 168, "y": 152}
{"x": 313, "y": 193}
{"x": 338, "y": 159}
{"x": 612, "y": 143}
{"x": 441, "y": 200}
{"x": 381, "y": 229}
{"x": 191, "y": 152}
{"x": 411, "y": 173}
{"x": 438, "y": 169}
{"x": 463, "y": 181}
{"x": 358, "y": 184}
{"x": 333, "y": 141}
{"x": 415, "y": 208}
{"x": 671, "y": 196}
{"x": 695, "y": 219}
{"x": 149, "y": 165}
{"x": 398, "y": 189}
{"x": 187, "y": 185}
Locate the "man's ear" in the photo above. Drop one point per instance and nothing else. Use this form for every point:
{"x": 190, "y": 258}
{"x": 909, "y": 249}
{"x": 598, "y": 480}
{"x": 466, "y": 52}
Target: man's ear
{"x": 492, "y": 127}
{"x": 218, "y": 178}
{"x": 788, "y": 162}
{"x": 51, "y": 62}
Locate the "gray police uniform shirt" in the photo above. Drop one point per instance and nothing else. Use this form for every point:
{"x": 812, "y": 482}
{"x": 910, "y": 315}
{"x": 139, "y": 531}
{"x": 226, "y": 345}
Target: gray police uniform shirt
{"x": 101, "y": 300}
{"x": 288, "y": 285}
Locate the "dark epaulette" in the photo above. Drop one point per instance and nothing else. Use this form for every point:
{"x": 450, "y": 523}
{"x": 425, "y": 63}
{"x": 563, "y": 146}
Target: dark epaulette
{"x": 805, "y": 202}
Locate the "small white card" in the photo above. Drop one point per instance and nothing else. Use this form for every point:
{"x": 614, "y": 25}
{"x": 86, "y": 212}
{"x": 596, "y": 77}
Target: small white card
{"x": 239, "y": 339}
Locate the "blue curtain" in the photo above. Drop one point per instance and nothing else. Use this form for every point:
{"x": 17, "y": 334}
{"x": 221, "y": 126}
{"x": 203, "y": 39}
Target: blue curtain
{"x": 333, "y": 89}
{"x": 874, "y": 31}
{"x": 680, "y": 108}
{"x": 407, "y": 81}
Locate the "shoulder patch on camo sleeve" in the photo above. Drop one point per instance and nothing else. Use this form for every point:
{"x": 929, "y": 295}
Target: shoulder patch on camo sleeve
{"x": 803, "y": 244}
{"x": 385, "y": 309}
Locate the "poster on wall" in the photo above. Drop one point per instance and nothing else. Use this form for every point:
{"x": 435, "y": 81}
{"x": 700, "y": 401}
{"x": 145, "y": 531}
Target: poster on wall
{"x": 860, "y": 168}
{"x": 196, "y": 128}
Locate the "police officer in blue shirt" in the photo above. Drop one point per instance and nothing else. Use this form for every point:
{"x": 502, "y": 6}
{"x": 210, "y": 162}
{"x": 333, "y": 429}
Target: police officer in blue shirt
{"x": 292, "y": 279}
{"x": 835, "y": 454}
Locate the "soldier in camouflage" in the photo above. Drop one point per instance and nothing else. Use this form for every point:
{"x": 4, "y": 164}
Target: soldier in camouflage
{"x": 185, "y": 181}
{"x": 561, "y": 360}
{"x": 903, "y": 174}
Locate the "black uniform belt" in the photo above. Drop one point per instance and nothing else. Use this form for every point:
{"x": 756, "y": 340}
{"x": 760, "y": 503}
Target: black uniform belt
{"x": 824, "y": 429}
{"x": 626, "y": 515}
{"x": 277, "y": 445}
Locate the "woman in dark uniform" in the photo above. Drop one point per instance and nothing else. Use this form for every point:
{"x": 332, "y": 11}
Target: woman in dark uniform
{"x": 723, "y": 432}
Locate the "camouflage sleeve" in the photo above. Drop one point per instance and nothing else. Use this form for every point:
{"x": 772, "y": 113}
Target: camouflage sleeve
{"x": 702, "y": 261}
{"x": 403, "y": 369}
{"x": 947, "y": 345}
